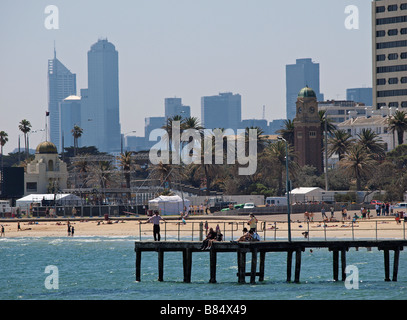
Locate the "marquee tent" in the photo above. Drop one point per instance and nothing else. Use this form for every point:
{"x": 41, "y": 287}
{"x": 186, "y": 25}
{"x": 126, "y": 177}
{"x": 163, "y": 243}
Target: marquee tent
{"x": 168, "y": 205}
{"x": 61, "y": 199}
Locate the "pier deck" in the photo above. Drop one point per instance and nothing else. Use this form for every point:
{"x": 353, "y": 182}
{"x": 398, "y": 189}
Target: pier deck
{"x": 260, "y": 249}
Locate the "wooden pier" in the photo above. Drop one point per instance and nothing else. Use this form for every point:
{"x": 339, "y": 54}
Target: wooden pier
{"x": 259, "y": 249}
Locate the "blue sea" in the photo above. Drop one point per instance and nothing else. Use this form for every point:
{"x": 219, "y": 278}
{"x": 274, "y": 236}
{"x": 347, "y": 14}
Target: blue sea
{"x": 95, "y": 268}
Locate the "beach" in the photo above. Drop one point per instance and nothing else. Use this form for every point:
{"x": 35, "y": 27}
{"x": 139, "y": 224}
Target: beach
{"x": 270, "y": 227}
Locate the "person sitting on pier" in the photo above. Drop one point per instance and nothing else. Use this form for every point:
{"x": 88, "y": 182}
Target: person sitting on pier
{"x": 246, "y": 236}
{"x": 219, "y": 237}
{"x": 210, "y": 236}
{"x": 254, "y": 235}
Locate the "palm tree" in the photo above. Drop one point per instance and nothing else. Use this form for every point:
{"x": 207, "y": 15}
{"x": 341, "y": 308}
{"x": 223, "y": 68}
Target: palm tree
{"x": 25, "y": 127}
{"x": 261, "y": 141}
{"x": 101, "y": 173}
{"x": 287, "y": 132}
{"x": 80, "y": 170}
{"x": 357, "y": 164}
{"x": 276, "y": 152}
{"x": 371, "y": 142}
{"x": 398, "y": 123}
{"x": 168, "y": 127}
{"x": 164, "y": 173}
{"x": 3, "y": 141}
{"x": 126, "y": 163}
{"x": 330, "y": 127}
{"x": 77, "y": 133}
{"x": 192, "y": 123}
{"x": 339, "y": 143}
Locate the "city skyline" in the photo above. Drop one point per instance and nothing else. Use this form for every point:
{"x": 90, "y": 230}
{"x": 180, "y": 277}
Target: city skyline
{"x": 184, "y": 50}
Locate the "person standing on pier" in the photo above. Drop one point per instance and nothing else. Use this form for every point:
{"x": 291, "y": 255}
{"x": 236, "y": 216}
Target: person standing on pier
{"x": 252, "y": 222}
{"x": 155, "y": 219}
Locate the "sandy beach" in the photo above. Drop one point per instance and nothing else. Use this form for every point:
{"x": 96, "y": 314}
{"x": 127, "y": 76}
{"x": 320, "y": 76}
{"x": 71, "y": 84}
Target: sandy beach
{"x": 270, "y": 227}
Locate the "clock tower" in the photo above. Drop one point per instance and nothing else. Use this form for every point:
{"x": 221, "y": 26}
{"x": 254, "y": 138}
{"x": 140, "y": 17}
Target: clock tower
{"x": 307, "y": 130}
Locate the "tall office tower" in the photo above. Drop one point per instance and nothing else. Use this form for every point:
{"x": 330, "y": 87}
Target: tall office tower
{"x": 174, "y": 107}
{"x": 364, "y": 95}
{"x": 260, "y": 123}
{"x": 389, "y": 41}
{"x": 221, "y": 111}
{"x": 303, "y": 73}
{"x": 100, "y": 101}
{"x": 152, "y": 123}
{"x": 70, "y": 115}
{"x": 61, "y": 84}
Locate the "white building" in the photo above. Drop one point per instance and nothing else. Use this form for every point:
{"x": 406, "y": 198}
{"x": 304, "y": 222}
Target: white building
{"x": 46, "y": 171}
{"x": 377, "y": 121}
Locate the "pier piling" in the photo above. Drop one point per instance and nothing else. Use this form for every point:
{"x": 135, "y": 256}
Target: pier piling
{"x": 258, "y": 252}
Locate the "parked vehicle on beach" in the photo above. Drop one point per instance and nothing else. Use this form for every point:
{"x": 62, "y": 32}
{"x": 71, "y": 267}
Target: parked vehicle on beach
{"x": 249, "y": 205}
{"x": 276, "y": 201}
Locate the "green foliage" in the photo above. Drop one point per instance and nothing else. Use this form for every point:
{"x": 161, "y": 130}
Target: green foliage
{"x": 348, "y": 197}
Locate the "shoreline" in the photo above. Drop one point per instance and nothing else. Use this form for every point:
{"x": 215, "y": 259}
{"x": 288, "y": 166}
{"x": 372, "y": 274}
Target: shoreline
{"x": 271, "y": 227}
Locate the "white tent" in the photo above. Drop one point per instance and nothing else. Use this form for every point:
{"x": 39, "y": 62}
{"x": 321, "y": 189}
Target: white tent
{"x": 168, "y": 205}
{"x": 305, "y": 194}
{"x": 61, "y": 199}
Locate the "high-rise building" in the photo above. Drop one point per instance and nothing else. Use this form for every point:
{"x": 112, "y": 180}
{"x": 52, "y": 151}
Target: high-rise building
{"x": 303, "y": 73}
{"x": 152, "y": 123}
{"x": 260, "y": 123}
{"x": 389, "y": 41}
{"x": 221, "y": 111}
{"x": 61, "y": 84}
{"x": 100, "y": 101}
{"x": 174, "y": 107}
{"x": 70, "y": 115}
{"x": 363, "y": 95}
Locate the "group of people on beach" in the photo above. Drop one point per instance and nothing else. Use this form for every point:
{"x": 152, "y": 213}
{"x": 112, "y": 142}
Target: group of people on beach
{"x": 71, "y": 230}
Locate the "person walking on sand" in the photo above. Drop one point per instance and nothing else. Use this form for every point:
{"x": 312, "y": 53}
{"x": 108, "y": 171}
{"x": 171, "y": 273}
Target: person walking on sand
{"x": 69, "y": 229}
{"x": 2, "y": 231}
{"x": 155, "y": 219}
{"x": 323, "y": 213}
{"x": 72, "y": 231}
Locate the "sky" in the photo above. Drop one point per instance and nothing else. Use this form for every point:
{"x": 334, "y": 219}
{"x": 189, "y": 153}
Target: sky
{"x": 179, "y": 48}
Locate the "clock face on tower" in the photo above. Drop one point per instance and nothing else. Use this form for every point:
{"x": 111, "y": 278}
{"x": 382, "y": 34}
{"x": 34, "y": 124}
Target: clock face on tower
{"x": 312, "y": 110}
{"x": 299, "y": 110}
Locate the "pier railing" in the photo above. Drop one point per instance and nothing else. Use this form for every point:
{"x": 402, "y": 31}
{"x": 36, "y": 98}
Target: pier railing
{"x": 374, "y": 229}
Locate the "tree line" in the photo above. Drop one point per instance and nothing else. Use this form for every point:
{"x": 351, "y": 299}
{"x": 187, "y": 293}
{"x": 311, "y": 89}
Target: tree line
{"x": 363, "y": 163}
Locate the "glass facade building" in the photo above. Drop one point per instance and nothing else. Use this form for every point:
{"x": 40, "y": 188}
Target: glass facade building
{"x": 299, "y": 75}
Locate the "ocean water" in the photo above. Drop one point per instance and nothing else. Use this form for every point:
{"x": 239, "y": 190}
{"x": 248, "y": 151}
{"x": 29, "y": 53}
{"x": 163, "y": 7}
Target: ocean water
{"x": 95, "y": 268}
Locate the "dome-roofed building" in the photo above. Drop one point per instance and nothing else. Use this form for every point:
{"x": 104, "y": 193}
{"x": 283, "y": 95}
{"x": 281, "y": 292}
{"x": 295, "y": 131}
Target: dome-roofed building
{"x": 46, "y": 173}
{"x": 307, "y": 93}
{"x": 307, "y": 130}
{"x": 46, "y": 147}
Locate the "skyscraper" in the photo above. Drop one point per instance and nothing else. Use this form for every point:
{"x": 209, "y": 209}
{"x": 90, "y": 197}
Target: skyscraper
{"x": 303, "y": 73}
{"x": 389, "y": 34}
{"x": 61, "y": 84}
{"x": 70, "y": 115}
{"x": 174, "y": 107}
{"x": 100, "y": 101}
{"x": 363, "y": 95}
{"x": 221, "y": 111}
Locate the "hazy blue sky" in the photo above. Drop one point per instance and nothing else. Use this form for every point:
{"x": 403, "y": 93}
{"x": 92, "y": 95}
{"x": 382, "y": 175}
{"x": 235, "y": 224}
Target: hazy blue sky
{"x": 182, "y": 48}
